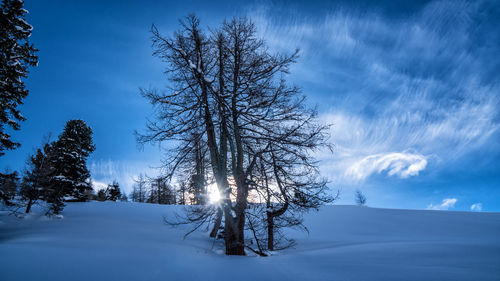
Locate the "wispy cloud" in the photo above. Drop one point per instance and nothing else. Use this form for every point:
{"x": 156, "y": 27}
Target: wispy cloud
{"x": 445, "y": 204}
{"x": 105, "y": 172}
{"x": 405, "y": 94}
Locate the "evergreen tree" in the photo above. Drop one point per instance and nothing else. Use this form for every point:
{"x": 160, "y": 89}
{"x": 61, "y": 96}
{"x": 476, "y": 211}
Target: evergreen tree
{"x": 59, "y": 171}
{"x": 36, "y": 179}
{"x": 8, "y": 185}
{"x": 113, "y": 192}
{"x": 101, "y": 195}
{"x": 16, "y": 54}
{"x": 124, "y": 197}
{"x": 71, "y": 176}
{"x": 52, "y": 192}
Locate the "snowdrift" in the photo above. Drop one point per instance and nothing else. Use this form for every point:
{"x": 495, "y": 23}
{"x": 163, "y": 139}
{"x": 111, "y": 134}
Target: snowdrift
{"x": 129, "y": 241}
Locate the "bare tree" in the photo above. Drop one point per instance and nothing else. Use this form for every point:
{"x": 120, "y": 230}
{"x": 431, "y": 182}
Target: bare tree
{"x": 288, "y": 184}
{"x": 160, "y": 192}
{"x": 360, "y": 198}
{"x": 194, "y": 174}
{"x": 138, "y": 193}
{"x": 231, "y": 86}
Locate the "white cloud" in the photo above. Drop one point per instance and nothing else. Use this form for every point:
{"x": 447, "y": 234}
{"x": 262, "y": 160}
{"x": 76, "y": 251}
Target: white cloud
{"x": 449, "y": 202}
{"x": 402, "y": 164}
{"x": 445, "y": 204}
{"x": 476, "y": 207}
{"x": 97, "y": 185}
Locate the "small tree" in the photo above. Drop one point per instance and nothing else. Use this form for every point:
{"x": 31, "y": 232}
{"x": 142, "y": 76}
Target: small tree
{"x": 160, "y": 192}
{"x": 182, "y": 192}
{"x": 59, "y": 172}
{"x": 101, "y": 195}
{"x": 360, "y": 198}
{"x": 124, "y": 197}
{"x": 71, "y": 176}
{"x": 113, "y": 192}
{"x": 138, "y": 193}
{"x": 36, "y": 178}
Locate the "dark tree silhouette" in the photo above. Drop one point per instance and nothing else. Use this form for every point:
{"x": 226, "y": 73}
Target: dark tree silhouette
{"x": 36, "y": 178}
{"x": 113, "y": 191}
{"x": 71, "y": 175}
{"x": 138, "y": 193}
{"x": 231, "y": 92}
{"x": 59, "y": 172}
{"x": 16, "y": 55}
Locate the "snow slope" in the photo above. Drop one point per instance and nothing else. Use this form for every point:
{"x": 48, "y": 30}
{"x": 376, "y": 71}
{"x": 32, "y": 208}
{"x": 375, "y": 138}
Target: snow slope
{"x": 128, "y": 241}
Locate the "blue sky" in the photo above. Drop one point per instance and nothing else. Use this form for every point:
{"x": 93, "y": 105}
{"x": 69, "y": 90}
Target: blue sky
{"x": 412, "y": 89}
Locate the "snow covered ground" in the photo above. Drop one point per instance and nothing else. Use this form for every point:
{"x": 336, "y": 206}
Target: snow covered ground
{"x": 128, "y": 241}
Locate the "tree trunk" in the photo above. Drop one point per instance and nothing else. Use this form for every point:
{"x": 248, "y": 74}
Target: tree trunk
{"x": 235, "y": 244}
{"x": 28, "y": 207}
{"x": 270, "y": 232}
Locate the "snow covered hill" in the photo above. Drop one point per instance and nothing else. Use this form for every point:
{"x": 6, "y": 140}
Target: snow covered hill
{"x": 128, "y": 241}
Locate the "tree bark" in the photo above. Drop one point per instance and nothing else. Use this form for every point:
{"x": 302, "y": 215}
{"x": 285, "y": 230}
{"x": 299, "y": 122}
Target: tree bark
{"x": 270, "y": 232}
{"x": 28, "y": 207}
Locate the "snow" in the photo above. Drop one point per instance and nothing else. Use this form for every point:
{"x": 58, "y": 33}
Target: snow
{"x": 14, "y": 63}
{"x": 191, "y": 64}
{"x": 30, "y": 28}
{"x": 197, "y": 69}
{"x": 129, "y": 241}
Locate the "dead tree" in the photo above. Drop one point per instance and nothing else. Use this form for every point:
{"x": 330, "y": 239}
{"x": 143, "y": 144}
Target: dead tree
{"x": 138, "y": 193}
{"x": 231, "y": 86}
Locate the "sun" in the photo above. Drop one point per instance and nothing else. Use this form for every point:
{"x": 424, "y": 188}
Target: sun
{"x": 214, "y": 197}
{"x": 213, "y": 194}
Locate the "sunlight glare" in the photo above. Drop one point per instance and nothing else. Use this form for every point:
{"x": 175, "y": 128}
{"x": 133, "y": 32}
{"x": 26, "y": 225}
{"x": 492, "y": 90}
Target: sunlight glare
{"x": 213, "y": 194}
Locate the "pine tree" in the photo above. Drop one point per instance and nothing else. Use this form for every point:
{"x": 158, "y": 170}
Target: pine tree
{"x": 113, "y": 192}
{"x": 16, "y": 54}
{"x": 72, "y": 177}
{"x": 36, "y": 179}
{"x": 52, "y": 192}
{"x": 124, "y": 197}
{"x": 8, "y": 184}
{"x": 101, "y": 195}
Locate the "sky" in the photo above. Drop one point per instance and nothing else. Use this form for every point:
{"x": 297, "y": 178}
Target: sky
{"x": 411, "y": 89}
